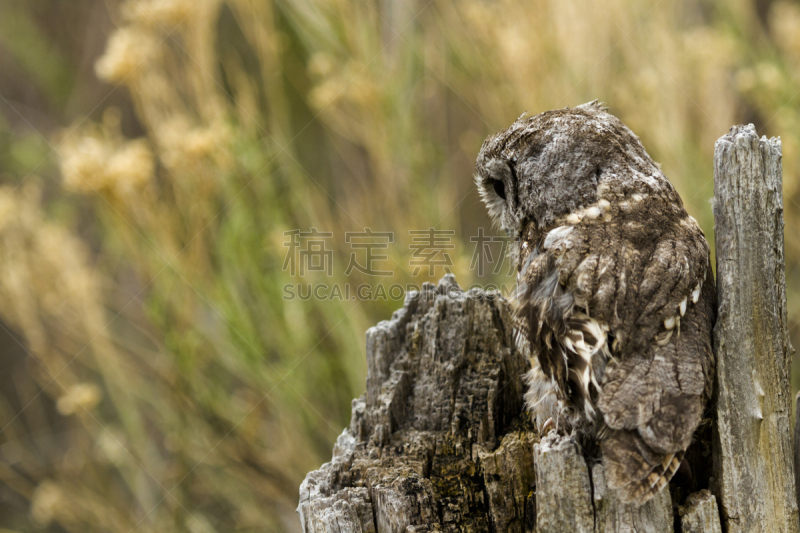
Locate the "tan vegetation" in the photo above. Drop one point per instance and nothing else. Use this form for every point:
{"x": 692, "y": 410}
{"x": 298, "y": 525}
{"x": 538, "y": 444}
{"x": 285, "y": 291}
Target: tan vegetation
{"x": 195, "y": 396}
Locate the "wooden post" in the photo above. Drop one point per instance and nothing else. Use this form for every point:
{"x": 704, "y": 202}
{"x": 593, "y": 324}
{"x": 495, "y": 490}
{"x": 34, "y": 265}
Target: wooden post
{"x": 797, "y": 446}
{"x": 700, "y": 514}
{"x": 439, "y": 442}
{"x": 753, "y": 467}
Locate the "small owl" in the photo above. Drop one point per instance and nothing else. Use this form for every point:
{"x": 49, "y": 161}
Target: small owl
{"x": 615, "y": 296}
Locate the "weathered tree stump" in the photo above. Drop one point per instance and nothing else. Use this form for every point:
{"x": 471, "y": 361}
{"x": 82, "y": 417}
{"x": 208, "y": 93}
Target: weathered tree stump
{"x": 700, "y": 514}
{"x": 797, "y": 446}
{"x": 439, "y": 442}
{"x": 754, "y": 474}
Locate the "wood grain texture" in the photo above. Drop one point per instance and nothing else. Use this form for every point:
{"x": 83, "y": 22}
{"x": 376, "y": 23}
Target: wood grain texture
{"x": 796, "y": 446}
{"x": 700, "y": 514}
{"x": 753, "y": 453}
{"x": 564, "y": 487}
{"x": 614, "y": 516}
{"x": 569, "y": 498}
{"x": 439, "y": 442}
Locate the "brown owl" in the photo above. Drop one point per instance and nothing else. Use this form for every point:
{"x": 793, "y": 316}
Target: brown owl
{"x": 615, "y": 298}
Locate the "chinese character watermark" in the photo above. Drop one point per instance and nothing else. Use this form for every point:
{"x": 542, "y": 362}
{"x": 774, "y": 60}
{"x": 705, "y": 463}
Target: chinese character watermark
{"x": 483, "y": 253}
{"x": 368, "y": 241}
{"x": 428, "y": 250}
{"x": 313, "y": 257}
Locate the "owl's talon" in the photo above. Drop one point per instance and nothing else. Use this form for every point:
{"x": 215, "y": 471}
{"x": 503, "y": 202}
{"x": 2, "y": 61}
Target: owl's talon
{"x": 548, "y": 425}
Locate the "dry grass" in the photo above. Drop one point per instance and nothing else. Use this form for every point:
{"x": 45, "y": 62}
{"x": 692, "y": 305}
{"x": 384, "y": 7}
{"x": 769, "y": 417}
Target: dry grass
{"x": 196, "y": 396}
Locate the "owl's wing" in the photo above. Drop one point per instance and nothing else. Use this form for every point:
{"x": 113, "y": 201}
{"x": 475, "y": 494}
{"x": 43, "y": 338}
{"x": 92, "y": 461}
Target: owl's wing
{"x": 643, "y": 285}
{"x": 652, "y": 401}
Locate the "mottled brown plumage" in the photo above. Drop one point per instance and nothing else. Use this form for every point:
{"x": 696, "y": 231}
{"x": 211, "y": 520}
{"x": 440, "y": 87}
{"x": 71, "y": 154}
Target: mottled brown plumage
{"x": 615, "y": 297}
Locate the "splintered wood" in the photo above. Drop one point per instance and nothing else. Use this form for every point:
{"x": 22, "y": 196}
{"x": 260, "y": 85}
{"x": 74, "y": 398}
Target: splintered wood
{"x": 439, "y": 441}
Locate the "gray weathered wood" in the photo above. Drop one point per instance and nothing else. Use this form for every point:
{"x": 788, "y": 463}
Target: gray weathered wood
{"x": 439, "y": 441}
{"x": 753, "y": 452}
{"x": 563, "y": 487}
{"x": 508, "y": 477}
{"x": 700, "y": 514}
{"x": 796, "y": 445}
{"x": 613, "y": 516}
{"x": 568, "y": 498}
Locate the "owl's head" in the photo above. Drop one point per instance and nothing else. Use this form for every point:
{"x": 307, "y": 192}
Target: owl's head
{"x": 550, "y": 165}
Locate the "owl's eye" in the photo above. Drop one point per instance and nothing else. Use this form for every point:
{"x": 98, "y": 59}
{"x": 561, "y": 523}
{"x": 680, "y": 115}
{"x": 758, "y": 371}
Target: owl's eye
{"x": 499, "y": 188}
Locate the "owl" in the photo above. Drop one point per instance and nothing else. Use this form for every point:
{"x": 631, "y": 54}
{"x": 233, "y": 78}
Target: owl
{"x": 615, "y": 300}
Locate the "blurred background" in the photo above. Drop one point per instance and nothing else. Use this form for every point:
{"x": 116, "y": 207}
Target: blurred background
{"x": 159, "y": 157}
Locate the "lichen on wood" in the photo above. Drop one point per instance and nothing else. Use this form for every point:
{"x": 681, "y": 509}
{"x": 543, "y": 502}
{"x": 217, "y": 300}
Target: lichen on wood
{"x": 700, "y": 514}
{"x": 439, "y": 441}
{"x": 753, "y": 452}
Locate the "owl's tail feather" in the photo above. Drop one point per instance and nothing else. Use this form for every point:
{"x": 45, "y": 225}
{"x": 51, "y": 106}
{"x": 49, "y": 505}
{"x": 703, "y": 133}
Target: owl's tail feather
{"x": 635, "y": 469}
